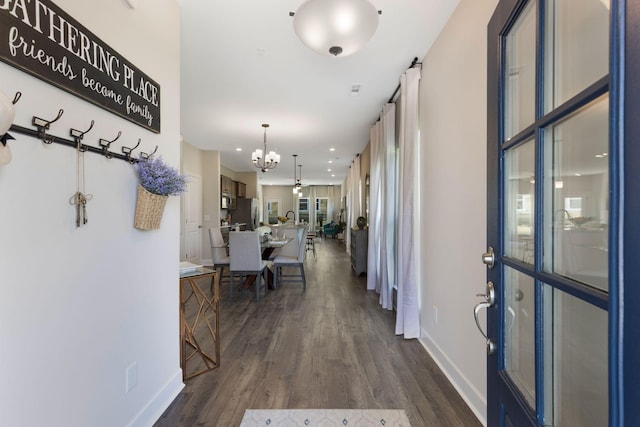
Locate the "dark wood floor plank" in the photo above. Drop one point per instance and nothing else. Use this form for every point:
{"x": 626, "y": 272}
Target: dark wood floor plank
{"x": 329, "y": 347}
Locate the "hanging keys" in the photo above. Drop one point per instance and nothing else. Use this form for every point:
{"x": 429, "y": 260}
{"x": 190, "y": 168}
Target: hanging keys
{"x": 80, "y": 201}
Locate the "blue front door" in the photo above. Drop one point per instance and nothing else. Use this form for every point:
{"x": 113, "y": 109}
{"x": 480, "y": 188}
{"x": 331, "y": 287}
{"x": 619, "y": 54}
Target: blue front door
{"x": 563, "y": 207}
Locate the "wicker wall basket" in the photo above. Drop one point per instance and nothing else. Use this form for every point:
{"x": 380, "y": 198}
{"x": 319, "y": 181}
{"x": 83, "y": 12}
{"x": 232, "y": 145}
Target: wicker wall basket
{"x": 149, "y": 209}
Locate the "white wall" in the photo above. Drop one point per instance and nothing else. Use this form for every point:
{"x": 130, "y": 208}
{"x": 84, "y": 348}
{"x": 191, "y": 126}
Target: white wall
{"x": 80, "y": 305}
{"x": 453, "y": 197}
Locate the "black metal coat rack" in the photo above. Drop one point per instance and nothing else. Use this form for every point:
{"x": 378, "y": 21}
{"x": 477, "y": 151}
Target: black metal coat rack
{"x": 42, "y": 126}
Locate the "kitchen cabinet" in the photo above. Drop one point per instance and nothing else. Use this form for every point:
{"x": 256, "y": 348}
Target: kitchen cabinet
{"x": 242, "y": 189}
{"x": 227, "y": 186}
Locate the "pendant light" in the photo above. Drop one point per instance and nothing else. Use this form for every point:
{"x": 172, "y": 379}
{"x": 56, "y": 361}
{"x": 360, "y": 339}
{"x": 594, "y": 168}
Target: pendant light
{"x": 295, "y": 186}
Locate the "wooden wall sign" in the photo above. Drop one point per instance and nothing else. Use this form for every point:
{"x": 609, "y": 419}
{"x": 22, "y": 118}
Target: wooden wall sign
{"x": 39, "y": 38}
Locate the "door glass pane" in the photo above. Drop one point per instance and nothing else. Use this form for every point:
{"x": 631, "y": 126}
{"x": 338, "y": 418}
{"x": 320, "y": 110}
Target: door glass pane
{"x": 520, "y": 69}
{"x": 576, "y": 358}
{"x": 576, "y": 47}
{"x": 577, "y": 195}
{"x": 303, "y": 209}
{"x": 519, "y": 331}
{"x": 322, "y": 208}
{"x": 520, "y": 202}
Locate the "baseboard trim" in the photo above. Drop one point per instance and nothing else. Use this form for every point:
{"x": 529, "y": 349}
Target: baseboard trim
{"x": 155, "y": 408}
{"x": 471, "y": 395}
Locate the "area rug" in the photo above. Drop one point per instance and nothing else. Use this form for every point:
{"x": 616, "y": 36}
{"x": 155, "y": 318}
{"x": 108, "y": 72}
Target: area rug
{"x": 325, "y": 418}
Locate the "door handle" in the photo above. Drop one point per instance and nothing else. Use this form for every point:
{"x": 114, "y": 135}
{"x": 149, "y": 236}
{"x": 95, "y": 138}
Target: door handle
{"x": 490, "y": 298}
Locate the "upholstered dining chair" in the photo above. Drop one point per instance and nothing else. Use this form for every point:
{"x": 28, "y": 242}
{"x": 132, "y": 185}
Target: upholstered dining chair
{"x": 296, "y": 260}
{"x": 218, "y": 252}
{"x": 245, "y": 257}
{"x": 291, "y": 248}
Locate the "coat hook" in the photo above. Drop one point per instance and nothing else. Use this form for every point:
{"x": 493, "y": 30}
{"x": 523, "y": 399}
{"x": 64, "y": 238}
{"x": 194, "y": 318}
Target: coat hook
{"x": 127, "y": 152}
{"x": 106, "y": 144}
{"x": 78, "y": 135}
{"x": 17, "y": 98}
{"x": 145, "y": 156}
{"x": 43, "y": 126}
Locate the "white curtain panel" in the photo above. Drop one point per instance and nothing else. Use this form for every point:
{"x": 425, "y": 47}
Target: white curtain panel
{"x": 376, "y": 216}
{"x": 407, "y": 316}
{"x": 382, "y": 208}
{"x": 354, "y": 201}
{"x": 331, "y": 206}
{"x": 312, "y": 203}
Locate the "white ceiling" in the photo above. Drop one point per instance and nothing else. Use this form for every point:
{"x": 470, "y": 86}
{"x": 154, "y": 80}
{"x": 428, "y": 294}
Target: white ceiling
{"x": 243, "y": 65}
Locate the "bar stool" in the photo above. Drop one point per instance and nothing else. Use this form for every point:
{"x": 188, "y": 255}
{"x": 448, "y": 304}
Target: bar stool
{"x": 311, "y": 243}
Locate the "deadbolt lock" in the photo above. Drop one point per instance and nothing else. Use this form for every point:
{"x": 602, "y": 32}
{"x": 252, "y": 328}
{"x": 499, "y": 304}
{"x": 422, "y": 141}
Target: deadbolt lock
{"x": 489, "y": 258}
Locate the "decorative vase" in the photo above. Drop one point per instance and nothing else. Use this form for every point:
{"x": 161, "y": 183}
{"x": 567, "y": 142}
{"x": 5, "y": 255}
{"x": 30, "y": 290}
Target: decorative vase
{"x": 361, "y": 222}
{"x": 149, "y": 209}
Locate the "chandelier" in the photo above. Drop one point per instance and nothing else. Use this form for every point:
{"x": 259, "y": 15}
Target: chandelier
{"x": 267, "y": 161}
{"x": 335, "y": 27}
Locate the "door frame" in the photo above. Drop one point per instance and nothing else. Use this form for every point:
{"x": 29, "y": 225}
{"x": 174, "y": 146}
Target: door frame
{"x": 625, "y": 302}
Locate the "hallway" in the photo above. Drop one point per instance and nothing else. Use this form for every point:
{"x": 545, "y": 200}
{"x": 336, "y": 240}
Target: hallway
{"x": 330, "y": 347}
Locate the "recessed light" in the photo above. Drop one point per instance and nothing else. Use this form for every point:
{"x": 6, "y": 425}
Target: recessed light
{"x": 330, "y": 161}
{"x": 332, "y": 149}
{"x": 238, "y": 149}
{"x": 328, "y": 170}
{"x": 333, "y": 175}
{"x": 578, "y": 174}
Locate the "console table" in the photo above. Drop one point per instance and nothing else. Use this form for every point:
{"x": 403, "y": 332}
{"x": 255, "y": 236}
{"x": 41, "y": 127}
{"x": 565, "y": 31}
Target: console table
{"x": 199, "y": 322}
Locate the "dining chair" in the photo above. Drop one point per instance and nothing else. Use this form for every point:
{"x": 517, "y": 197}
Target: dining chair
{"x": 245, "y": 257}
{"x": 218, "y": 252}
{"x": 296, "y": 260}
{"x": 291, "y": 248}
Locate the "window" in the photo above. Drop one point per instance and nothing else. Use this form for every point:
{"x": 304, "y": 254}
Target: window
{"x": 322, "y": 204}
{"x": 272, "y": 211}
{"x": 303, "y": 209}
{"x": 573, "y": 205}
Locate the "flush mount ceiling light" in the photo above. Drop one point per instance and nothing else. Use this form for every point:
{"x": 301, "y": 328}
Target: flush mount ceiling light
{"x": 265, "y": 161}
{"x": 335, "y": 27}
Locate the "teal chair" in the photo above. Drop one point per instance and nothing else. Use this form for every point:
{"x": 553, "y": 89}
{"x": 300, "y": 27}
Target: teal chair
{"x": 330, "y": 229}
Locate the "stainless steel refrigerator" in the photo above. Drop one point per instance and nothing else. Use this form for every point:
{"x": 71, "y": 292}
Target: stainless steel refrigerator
{"x": 246, "y": 211}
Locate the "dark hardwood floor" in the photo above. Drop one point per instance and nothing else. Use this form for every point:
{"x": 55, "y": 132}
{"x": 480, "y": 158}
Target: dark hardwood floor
{"x": 329, "y": 347}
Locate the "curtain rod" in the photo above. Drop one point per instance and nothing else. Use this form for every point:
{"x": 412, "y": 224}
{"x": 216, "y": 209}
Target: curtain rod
{"x": 413, "y": 64}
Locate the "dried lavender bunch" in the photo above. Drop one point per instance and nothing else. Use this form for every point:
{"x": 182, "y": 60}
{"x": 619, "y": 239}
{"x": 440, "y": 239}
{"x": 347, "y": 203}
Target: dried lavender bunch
{"x": 157, "y": 177}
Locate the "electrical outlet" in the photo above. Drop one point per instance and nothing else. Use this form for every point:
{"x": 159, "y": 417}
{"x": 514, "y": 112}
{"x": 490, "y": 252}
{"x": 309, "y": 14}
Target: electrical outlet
{"x": 434, "y": 313}
{"x": 131, "y": 377}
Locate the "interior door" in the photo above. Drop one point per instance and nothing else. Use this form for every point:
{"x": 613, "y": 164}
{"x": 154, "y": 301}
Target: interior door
{"x": 552, "y": 214}
{"x": 193, "y": 220}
